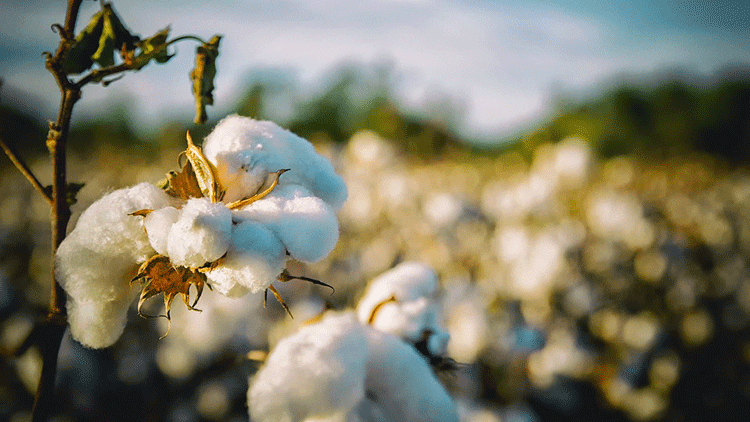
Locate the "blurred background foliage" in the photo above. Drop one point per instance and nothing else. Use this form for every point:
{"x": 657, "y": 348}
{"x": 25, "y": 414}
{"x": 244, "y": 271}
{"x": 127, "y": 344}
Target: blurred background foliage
{"x": 594, "y": 267}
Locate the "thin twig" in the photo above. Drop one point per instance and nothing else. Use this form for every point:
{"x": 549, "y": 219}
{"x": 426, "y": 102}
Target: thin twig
{"x": 25, "y": 170}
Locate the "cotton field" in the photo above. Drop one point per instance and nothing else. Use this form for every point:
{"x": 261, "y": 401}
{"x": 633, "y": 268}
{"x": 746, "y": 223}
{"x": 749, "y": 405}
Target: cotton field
{"x": 559, "y": 287}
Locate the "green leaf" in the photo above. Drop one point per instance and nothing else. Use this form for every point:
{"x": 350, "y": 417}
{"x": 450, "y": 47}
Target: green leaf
{"x": 154, "y": 47}
{"x": 114, "y": 36}
{"x": 97, "y": 43}
{"x": 71, "y": 192}
{"x": 105, "y": 55}
{"x": 203, "y": 77}
{"x": 85, "y": 45}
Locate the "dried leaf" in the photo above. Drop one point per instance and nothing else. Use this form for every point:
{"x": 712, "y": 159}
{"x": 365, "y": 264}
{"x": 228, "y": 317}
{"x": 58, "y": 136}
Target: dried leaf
{"x": 204, "y": 172}
{"x": 184, "y": 184}
{"x": 203, "y": 77}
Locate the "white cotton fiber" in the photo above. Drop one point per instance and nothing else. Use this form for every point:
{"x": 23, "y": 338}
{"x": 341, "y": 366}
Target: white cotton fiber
{"x": 316, "y": 374}
{"x": 201, "y": 233}
{"x": 401, "y": 385}
{"x": 413, "y": 315}
{"x": 98, "y": 258}
{"x": 407, "y": 281}
{"x": 240, "y": 145}
{"x": 306, "y": 225}
{"x": 158, "y": 224}
{"x": 255, "y": 259}
{"x": 97, "y": 323}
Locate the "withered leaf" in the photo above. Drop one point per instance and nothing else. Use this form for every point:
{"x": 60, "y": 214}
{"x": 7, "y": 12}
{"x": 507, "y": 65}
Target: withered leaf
{"x": 184, "y": 184}
{"x": 203, "y": 77}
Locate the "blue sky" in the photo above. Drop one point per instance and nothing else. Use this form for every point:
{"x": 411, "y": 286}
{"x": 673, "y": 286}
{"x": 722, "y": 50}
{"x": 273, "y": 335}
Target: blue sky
{"x": 503, "y": 60}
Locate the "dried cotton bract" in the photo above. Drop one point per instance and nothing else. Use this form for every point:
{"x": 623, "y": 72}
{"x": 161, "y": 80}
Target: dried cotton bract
{"x": 228, "y": 219}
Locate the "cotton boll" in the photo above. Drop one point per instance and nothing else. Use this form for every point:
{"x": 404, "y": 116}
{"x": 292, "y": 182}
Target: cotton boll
{"x": 240, "y": 144}
{"x": 98, "y": 323}
{"x": 158, "y": 224}
{"x": 255, "y": 259}
{"x": 306, "y": 225}
{"x": 317, "y": 374}
{"x": 201, "y": 234}
{"x": 406, "y": 282}
{"x": 401, "y": 385}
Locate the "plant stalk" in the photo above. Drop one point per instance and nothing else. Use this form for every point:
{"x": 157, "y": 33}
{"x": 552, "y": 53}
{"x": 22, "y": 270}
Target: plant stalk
{"x": 57, "y": 136}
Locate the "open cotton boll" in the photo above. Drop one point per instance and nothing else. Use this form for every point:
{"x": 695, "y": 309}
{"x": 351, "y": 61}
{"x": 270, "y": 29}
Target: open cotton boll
{"x": 406, "y": 282}
{"x": 240, "y": 144}
{"x": 255, "y": 259}
{"x": 306, "y": 225}
{"x": 158, "y": 224}
{"x": 201, "y": 233}
{"x": 107, "y": 244}
{"x": 401, "y": 385}
{"x": 96, "y": 323}
{"x": 315, "y": 374}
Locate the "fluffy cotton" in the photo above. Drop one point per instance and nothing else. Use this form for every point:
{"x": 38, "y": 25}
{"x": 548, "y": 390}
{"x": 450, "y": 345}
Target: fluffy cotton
{"x": 255, "y": 258}
{"x": 246, "y": 249}
{"x": 316, "y": 374}
{"x": 403, "y": 304}
{"x": 342, "y": 370}
{"x": 401, "y": 385}
{"x": 96, "y": 260}
{"x": 201, "y": 233}
{"x": 305, "y": 224}
{"x": 244, "y": 151}
{"x": 158, "y": 224}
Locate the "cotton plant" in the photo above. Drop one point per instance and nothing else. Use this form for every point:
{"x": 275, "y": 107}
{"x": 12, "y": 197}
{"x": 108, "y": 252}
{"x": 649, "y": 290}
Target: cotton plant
{"x": 349, "y": 368}
{"x": 254, "y": 196}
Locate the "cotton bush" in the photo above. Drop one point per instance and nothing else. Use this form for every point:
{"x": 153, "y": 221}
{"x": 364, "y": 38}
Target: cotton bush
{"x": 236, "y": 247}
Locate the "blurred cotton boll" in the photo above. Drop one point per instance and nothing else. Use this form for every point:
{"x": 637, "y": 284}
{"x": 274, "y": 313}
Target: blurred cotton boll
{"x": 340, "y": 370}
{"x": 402, "y": 302}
